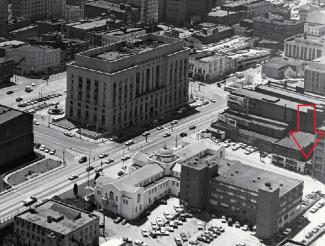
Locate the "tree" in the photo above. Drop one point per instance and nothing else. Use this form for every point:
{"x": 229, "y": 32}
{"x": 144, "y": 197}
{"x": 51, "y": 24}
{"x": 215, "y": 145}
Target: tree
{"x": 75, "y": 189}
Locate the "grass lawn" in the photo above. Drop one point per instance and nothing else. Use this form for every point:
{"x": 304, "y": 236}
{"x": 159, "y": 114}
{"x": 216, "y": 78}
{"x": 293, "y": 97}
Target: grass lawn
{"x": 32, "y": 171}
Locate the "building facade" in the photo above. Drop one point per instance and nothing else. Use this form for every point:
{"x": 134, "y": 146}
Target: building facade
{"x": 55, "y": 8}
{"x": 3, "y": 17}
{"x": 6, "y": 70}
{"x": 55, "y": 223}
{"x": 149, "y": 11}
{"x": 73, "y": 13}
{"x": 209, "y": 67}
{"x": 128, "y": 83}
{"x": 32, "y": 9}
{"x": 276, "y": 29}
{"x": 318, "y": 161}
{"x": 250, "y": 195}
{"x": 211, "y": 32}
{"x": 17, "y": 138}
{"x": 304, "y": 47}
{"x": 31, "y": 59}
{"x": 314, "y": 29}
{"x": 314, "y": 80}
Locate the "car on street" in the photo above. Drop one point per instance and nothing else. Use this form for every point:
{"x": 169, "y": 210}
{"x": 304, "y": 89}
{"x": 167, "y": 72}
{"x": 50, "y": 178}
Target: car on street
{"x": 192, "y": 127}
{"x": 73, "y": 177}
{"x": 89, "y": 168}
{"x": 124, "y": 221}
{"x": 52, "y": 152}
{"x": 19, "y": 99}
{"x": 174, "y": 122}
{"x": 9, "y": 92}
{"x": 29, "y": 201}
{"x": 42, "y": 147}
{"x": 144, "y": 232}
{"x": 130, "y": 142}
{"x": 68, "y": 134}
{"x": 145, "y": 134}
{"x": 213, "y": 100}
{"x": 113, "y": 138}
{"x": 102, "y": 155}
{"x": 117, "y": 220}
{"x": 120, "y": 173}
{"x": 47, "y": 150}
{"x": 138, "y": 242}
{"x": 166, "y": 134}
{"x": 37, "y": 145}
{"x": 125, "y": 157}
{"x": 178, "y": 241}
{"x": 159, "y": 127}
{"x": 83, "y": 159}
{"x": 199, "y": 225}
{"x": 223, "y": 219}
{"x": 108, "y": 161}
{"x": 183, "y": 134}
{"x": 218, "y": 84}
{"x": 183, "y": 236}
{"x": 245, "y": 228}
{"x": 36, "y": 123}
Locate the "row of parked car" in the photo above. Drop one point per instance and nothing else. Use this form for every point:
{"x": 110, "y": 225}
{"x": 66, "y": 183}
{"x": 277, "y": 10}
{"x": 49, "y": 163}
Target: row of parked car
{"x": 36, "y": 100}
{"x": 43, "y": 147}
{"x": 210, "y": 234}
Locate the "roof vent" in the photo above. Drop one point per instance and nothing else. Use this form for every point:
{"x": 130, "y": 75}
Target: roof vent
{"x": 258, "y": 177}
{"x": 237, "y": 171}
{"x": 195, "y": 163}
{"x": 268, "y": 184}
{"x": 228, "y": 164}
{"x": 197, "y": 158}
{"x": 281, "y": 184}
{"x": 231, "y": 174}
{"x": 253, "y": 180}
{"x": 49, "y": 219}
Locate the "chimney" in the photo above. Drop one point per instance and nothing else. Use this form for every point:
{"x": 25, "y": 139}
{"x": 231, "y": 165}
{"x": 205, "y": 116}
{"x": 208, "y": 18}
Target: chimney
{"x": 49, "y": 219}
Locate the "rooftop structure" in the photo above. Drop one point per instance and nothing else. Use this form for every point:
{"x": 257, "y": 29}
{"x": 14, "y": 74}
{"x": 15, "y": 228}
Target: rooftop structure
{"x": 6, "y": 113}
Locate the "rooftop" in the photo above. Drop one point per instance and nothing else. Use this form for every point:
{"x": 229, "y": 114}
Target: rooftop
{"x": 278, "y": 62}
{"x": 65, "y": 219}
{"x": 251, "y": 178}
{"x": 278, "y": 21}
{"x": 106, "y": 5}
{"x": 89, "y": 24}
{"x": 305, "y": 140}
{"x": 317, "y": 65}
{"x": 7, "y": 114}
{"x": 220, "y": 13}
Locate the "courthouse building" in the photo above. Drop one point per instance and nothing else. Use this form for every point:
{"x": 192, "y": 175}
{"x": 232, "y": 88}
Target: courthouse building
{"x": 128, "y": 83}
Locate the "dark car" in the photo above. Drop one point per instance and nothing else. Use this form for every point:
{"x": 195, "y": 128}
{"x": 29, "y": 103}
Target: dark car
{"x": 120, "y": 173}
{"x": 88, "y": 169}
{"x": 37, "y": 145}
{"x": 18, "y": 99}
{"x": 118, "y": 220}
{"x": 9, "y": 92}
{"x": 163, "y": 201}
{"x": 192, "y": 127}
{"x": 218, "y": 84}
{"x": 183, "y": 134}
{"x": 83, "y": 159}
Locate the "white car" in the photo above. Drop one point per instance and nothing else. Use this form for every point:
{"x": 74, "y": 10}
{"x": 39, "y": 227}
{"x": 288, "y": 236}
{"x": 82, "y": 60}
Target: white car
{"x": 213, "y": 100}
{"x": 68, "y": 134}
{"x": 144, "y": 232}
{"x": 174, "y": 122}
{"x": 138, "y": 242}
{"x": 199, "y": 225}
{"x": 72, "y": 177}
{"x": 102, "y": 155}
{"x": 159, "y": 221}
{"x": 125, "y": 157}
{"x": 130, "y": 142}
{"x": 42, "y": 147}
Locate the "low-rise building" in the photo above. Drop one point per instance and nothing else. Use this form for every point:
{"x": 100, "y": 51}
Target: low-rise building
{"x": 157, "y": 176}
{"x": 314, "y": 80}
{"x": 16, "y": 136}
{"x": 314, "y": 29}
{"x": 276, "y": 29}
{"x": 250, "y": 195}
{"x": 209, "y": 67}
{"x": 318, "y": 160}
{"x": 219, "y": 16}
{"x": 22, "y": 34}
{"x": 29, "y": 59}
{"x": 211, "y": 32}
{"x": 114, "y": 36}
{"x": 73, "y": 13}
{"x": 304, "y": 47}
{"x": 247, "y": 58}
{"x": 55, "y": 223}
{"x": 6, "y": 70}
{"x": 280, "y": 68}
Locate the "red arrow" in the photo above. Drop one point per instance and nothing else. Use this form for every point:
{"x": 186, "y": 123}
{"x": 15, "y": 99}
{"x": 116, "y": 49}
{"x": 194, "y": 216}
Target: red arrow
{"x": 320, "y": 133}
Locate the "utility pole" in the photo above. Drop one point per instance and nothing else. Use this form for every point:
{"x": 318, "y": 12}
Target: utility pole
{"x": 63, "y": 155}
{"x": 176, "y": 141}
{"x": 88, "y": 167}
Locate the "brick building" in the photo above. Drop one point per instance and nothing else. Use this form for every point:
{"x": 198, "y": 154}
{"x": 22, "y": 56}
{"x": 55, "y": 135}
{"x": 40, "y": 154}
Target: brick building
{"x": 6, "y": 70}
{"x": 250, "y": 195}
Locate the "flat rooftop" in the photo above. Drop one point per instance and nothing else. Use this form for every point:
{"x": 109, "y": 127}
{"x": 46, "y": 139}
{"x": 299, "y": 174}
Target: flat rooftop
{"x": 305, "y": 140}
{"x": 65, "y": 219}
{"x": 131, "y": 47}
{"x": 106, "y": 5}
{"x": 251, "y": 178}
{"x": 7, "y": 113}
{"x": 90, "y": 24}
{"x": 220, "y": 13}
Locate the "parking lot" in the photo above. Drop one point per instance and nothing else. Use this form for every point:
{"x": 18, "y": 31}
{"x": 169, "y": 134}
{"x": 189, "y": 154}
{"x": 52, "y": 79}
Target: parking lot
{"x": 186, "y": 232}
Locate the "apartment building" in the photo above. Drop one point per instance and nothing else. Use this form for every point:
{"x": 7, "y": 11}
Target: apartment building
{"x": 158, "y": 176}
{"x": 305, "y": 47}
{"x": 122, "y": 34}
{"x": 250, "y": 195}
{"x": 314, "y": 80}
{"x": 211, "y": 32}
{"x": 314, "y": 29}
{"x": 6, "y": 70}
{"x": 128, "y": 83}
{"x": 55, "y": 223}
{"x": 149, "y": 11}
{"x": 3, "y": 17}
{"x": 16, "y": 136}
{"x": 30, "y": 59}
{"x": 55, "y": 8}
{"x": 32, "y": 9}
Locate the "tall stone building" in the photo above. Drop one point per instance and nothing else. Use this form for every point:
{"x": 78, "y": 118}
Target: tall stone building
{"x": 128, "y": 83}
{"x": 3, "y": 17}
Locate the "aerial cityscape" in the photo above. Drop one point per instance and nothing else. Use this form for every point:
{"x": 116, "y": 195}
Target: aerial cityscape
{"x": 162, "y": 122}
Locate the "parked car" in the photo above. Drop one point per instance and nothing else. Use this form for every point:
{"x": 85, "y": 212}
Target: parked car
{"x": 18, "y": 99}
{"x": 9, "y": 92}
{"x": 124, "y": 221}
{"x": 159, "y": 128}
{"x": 120, "y": 173}
{"x": 174, "y": 122}
{"x": 183, "y": 236}
{"x": 192, "y": 127}
{"x": 166, "y": 134}
{"x": 102, "y": 155}
{"x": 68, "y": 134}
{"x": 145, "y": 134}
{"x": 130, "y": 142}
{"x": 144, "y": 232}
{"x": 83, "y": 159}
{"x": 117, "y": 220}
{"x": 125, "y": 157}
{"x": 178, "y": 241}
{"x": 183, "y": 134}
{"x": 52, "y": 152}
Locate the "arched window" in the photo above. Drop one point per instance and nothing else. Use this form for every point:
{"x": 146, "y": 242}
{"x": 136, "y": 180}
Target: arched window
{"x": 111, "y": 195}
{"x": 139, "y": 197}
